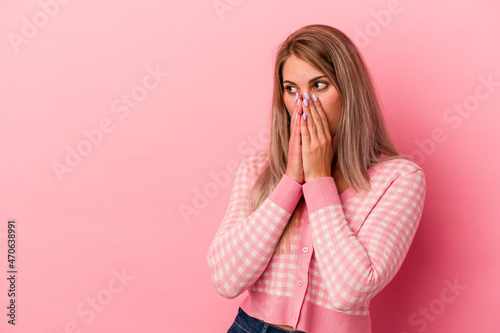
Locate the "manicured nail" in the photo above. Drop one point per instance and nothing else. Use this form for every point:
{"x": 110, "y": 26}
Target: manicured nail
{"x": 307, "y": 96}
{"x": 315, "y": 98}
{"x": 298, "y": 102}
{"x": 304, "y": 116}
{"x": 296, "y": 96}
{"x": 306, "y": 103}
{"x": 296, "y": 115}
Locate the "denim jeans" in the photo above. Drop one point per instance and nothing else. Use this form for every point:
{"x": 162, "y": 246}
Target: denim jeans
{"x": 243, "y": 323}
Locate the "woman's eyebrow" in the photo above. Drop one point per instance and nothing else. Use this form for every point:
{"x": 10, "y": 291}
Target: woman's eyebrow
{"x": 310, "y": 81}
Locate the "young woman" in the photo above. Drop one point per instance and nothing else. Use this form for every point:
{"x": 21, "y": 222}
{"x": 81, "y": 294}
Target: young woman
{"x": 321, "y": 222}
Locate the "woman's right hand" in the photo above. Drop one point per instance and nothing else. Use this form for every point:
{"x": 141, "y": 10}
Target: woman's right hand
{"x": 294, "y": 167}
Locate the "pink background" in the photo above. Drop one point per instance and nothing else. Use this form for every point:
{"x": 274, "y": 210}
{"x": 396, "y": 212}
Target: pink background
{"x": 118, "y": 212}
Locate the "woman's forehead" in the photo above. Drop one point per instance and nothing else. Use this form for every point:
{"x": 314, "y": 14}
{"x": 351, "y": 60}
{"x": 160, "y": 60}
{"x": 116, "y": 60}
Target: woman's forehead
{"x": 296, "y": 69}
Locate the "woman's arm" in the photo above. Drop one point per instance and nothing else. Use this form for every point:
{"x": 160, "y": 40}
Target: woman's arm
{"x": 355, "y": 267}
{"x": 245, "y": 242}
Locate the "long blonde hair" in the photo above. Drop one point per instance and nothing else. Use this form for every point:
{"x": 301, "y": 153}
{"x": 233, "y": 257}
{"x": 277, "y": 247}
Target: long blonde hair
{"x": 362, "y": 136}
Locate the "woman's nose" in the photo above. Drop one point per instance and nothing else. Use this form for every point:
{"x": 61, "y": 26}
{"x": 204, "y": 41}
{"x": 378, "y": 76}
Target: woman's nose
{"x": 303, "y": 96}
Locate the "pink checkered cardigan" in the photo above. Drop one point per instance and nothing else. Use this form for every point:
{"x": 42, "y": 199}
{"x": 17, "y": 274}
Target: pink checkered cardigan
{"x": 348, "y": 249}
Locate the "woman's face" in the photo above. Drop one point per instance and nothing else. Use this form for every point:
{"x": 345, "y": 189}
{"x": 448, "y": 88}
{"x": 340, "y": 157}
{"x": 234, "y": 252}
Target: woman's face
{"x": 299, "y": 76}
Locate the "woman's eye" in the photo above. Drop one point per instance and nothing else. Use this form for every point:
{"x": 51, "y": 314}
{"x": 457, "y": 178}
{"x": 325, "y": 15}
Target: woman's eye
{"x": 321, "y": 85}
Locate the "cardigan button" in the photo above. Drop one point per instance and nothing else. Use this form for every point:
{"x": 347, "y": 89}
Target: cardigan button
{"x": 299, "y": 283}
{"x": 305, "y": 249}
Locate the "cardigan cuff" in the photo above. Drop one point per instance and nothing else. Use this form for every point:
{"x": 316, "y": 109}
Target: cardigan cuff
{"x": 287, "y": 194}
{"x": 319, "y": 193}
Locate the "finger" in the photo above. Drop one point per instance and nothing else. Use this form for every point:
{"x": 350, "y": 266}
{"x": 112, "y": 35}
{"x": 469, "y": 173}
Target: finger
{"x": 296, "y": 130}
{"x": 309, "y": 120}
{"x": 319, "y": 117}
{"x": 294, "y": 115}
{"x": 296, "y": 108}
{"x": 299, "y": 104}
{"x": 304, "y": 130}
{"x": 294, "y": 124}
{"x": 298, "y": 138}
{"x": 297, "y": 113}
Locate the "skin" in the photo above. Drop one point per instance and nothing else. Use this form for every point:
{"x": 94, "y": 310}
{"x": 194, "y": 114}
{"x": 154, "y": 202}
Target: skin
{"x": 312, "y": 142}
{"x": 312, "y": 145}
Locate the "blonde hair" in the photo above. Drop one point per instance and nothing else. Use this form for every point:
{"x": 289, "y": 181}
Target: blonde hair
{"x": 362, "y": 136}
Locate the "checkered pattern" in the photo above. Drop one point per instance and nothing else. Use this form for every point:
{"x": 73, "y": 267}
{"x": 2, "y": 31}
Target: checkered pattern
{"x": 358, "y": 245}
{"x": 244, "y": 243}
{"x": 280, "y": 275}
{"x": 359, "y": 256}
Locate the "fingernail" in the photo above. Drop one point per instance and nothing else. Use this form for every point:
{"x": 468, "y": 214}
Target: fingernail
{"x": 307, "y": 96}
{"x": 298, "y": 101}
{"x": 296, "y": 96}
{"x": 315, "y": 98}
{"x": 304, "y": 116}
{"x": 306, "y": 103}
{"x": 296, "y": 115}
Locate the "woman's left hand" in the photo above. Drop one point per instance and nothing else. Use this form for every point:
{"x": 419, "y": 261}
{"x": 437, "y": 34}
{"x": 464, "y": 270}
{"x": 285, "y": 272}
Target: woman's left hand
{"x": 318, "y": 145}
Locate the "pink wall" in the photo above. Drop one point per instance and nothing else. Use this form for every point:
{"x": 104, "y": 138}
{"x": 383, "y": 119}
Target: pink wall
{"x": 115, "y": 115}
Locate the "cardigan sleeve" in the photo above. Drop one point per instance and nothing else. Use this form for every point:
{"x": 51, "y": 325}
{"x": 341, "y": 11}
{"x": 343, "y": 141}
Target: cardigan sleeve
{"x": 245, "y": 241}
{"x": 356, "y": 267}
